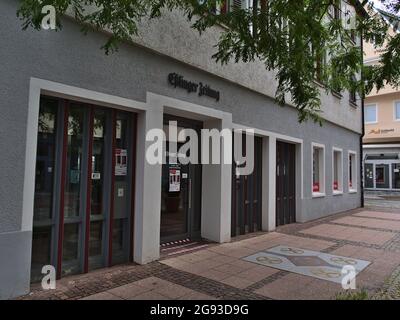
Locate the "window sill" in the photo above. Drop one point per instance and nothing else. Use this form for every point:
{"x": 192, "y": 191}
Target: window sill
{"x": 337, "y": 94}
{"x": 352, "y": 191}
{"x": 319, "y": 83}
{"x": 353, "y": 104}
{"x": 318, "y": 195}
{"x": 337, "y": 193}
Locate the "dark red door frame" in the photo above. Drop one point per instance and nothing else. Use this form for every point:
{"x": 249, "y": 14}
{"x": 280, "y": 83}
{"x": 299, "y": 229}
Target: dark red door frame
{"x": 88, "y": 190}
{"x": 111, "y": 222}
{"x": 62, "y": 191}
{"x": 133, "y": 184}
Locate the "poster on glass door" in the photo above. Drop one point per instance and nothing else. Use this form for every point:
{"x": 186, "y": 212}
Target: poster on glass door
{"x": 121, "y": 160}
{"x": 174, "y": 180}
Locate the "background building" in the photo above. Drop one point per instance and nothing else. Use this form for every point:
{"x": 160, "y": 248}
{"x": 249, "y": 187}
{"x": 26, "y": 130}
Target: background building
{"x": 381, "y": 143}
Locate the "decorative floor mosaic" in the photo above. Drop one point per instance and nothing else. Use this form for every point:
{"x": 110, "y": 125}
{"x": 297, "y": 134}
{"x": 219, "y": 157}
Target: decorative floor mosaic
{"x": 306, "y": 262}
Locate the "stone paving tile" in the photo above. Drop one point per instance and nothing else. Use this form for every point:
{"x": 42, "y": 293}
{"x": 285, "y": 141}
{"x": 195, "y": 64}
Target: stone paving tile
{"x": 369, "y": 223}
{"x": 350, "y": 233}
{"x": 379, "y": 215}
{"x": 102, "y": 296}
{"x": 128, "y": 291}
{"x": 238, "y": 282}
{"x": 257, "y": 273}
{"x": 218, "y": 271}
{"x": 285, "y": 287}
{"x": 214, "y": 275}
{"x": 197, "y": 296}
{"x": 150, "y": 295}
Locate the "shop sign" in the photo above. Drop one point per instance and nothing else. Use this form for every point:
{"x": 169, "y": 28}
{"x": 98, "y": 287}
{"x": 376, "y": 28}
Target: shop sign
{"x": 200, "y": 88}
{"x": 381, "y": 131}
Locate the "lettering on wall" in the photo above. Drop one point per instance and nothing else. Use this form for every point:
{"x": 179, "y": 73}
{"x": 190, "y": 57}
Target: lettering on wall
{"x": 202, "y": 89}
{"x": 381, "y": 131}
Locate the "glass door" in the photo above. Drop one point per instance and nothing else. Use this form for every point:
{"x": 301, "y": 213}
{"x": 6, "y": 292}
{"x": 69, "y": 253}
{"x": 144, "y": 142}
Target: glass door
{"x": 369, "y": 175}
{"x": 176, "y": 184}
{"x": 122, "y": 177}
{"x": 74, "y": 177}
{"x": 97, "y": 212}
{"x": 180, "y": 185}
{"x": 382, "y": 176}
{"x": 44, "y": 217}
{"x": 83, "y": 188}
{"x": 396, "y": 175}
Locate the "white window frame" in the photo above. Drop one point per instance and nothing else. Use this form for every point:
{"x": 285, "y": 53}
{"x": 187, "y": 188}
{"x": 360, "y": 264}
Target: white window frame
{"x": 376, "y": 113}
{"x": 322, "y": 188}
{"x": 354, "y": 167}
{"x": 340, "y": 173}
{"x": 394, "y": 110}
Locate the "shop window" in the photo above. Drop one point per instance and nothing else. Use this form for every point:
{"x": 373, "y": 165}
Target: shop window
{"x": 318, "y": 170}
{"x": 371, "y": 114}
{"x": 396, "y": 175}
{"x": 352, "y": 171}
{"x": 337, "y": 171}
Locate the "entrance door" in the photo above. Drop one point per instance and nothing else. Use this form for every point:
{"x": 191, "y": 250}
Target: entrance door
{"x": 369, "y": 175}
{"x": 285, "y": 183}
{"x": 382, "y": 176}
{"x": 246, "y": 195}
{"x": 84, "y": 185}
{"x": 181, "y": 190}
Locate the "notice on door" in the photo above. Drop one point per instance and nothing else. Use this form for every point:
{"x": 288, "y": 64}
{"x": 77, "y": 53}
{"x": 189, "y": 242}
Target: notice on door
{"x": 121, "y": 160}
{"x": 174, "y": 180}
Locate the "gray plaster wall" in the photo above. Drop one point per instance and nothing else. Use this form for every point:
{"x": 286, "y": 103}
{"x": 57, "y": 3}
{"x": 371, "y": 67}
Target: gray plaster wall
{"x": 15, "y": 263}
{"x": 71, "y": 58}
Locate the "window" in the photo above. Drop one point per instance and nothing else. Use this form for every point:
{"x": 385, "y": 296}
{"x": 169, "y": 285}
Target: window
{"x": 397, "y": 111}
{"x": 335, "y": 9}
{"x": 230, "y": 5}
{"x": 337, "y": 171}
{"x": 352, "y": 171}
{"x": 318, "y": 169}
{"x": 371, "y": 114}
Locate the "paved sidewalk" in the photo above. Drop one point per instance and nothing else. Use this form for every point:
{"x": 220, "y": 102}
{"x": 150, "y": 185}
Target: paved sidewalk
{"x": 220, "y": 271}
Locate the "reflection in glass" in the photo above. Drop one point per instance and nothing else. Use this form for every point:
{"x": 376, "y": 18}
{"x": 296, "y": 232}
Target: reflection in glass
{"x": 174, "y": 199}
{"x": 121, "y": 189}
{"x": 41, "y": 251}
{"x": 97, "y": 163}
{"x": 71, "y": 254}
{"x": 95, "y": 239}
{"x": 44, "y": 183}
{"x": 74, "y": 162}
{"x": 45, "y": 160}
{"x": 71, "y": 244}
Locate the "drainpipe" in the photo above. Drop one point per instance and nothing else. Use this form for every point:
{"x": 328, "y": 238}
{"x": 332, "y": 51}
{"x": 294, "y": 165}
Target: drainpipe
{"x": 362, "y": 130}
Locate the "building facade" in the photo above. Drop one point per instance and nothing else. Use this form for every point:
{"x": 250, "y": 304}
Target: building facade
{"x": 381, "y": 143}
{"x": 77, "y": 191}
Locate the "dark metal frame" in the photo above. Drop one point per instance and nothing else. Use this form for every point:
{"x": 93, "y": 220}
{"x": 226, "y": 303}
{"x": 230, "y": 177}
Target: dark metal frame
{"x": 195, "y": 183}
{"x": 247, "y": 195}
{"x": 84, "y": 219}
{"x": 285, "y": 183}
